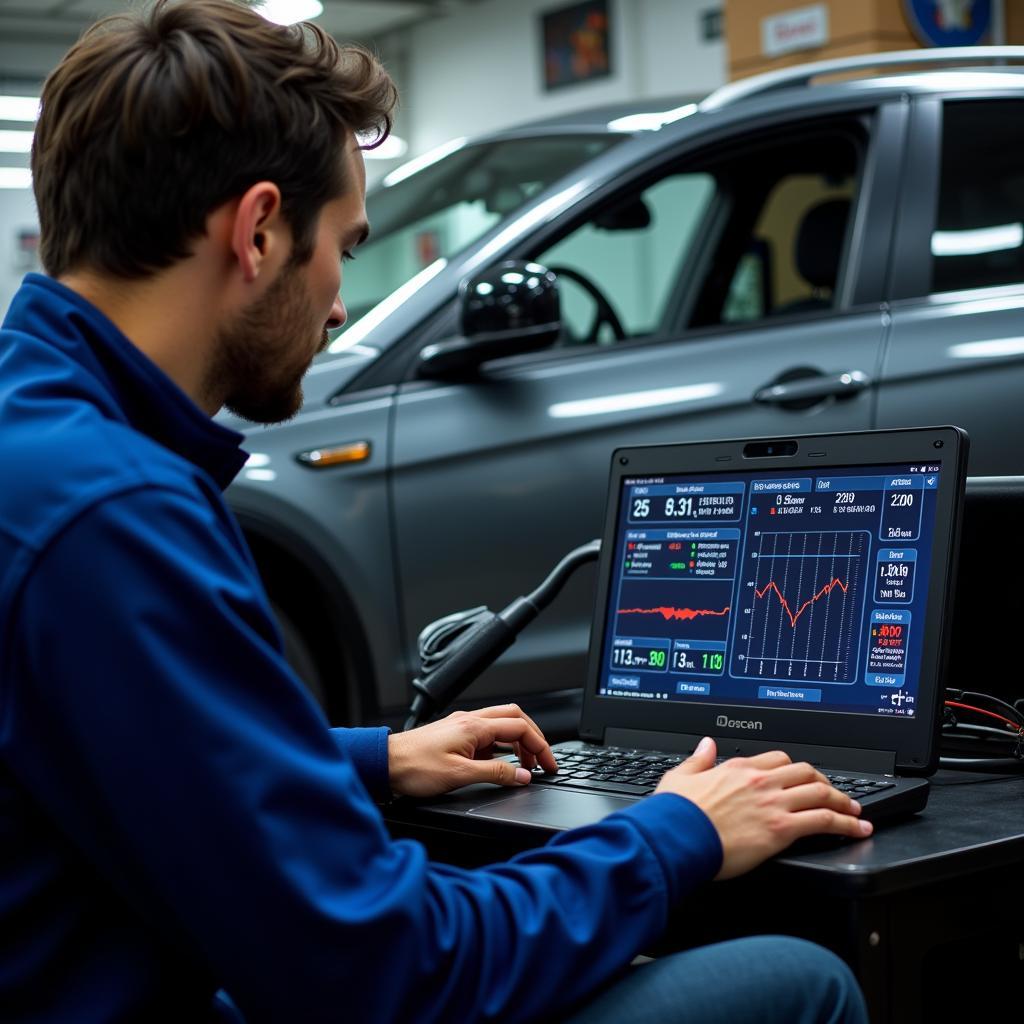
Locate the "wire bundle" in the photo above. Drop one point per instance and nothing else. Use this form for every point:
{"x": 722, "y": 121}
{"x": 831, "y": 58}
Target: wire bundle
{"x": 981, "y": 731}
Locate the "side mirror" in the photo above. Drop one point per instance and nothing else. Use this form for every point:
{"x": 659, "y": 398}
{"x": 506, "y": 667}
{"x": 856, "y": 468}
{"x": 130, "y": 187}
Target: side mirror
{"x": 508, "y": 309}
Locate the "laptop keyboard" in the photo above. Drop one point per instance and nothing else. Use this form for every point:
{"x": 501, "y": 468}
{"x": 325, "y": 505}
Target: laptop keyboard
{"x": 638, "y": 772}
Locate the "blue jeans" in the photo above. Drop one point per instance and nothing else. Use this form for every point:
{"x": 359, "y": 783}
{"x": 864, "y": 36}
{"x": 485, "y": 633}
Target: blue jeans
{"x": 761, "y": 980}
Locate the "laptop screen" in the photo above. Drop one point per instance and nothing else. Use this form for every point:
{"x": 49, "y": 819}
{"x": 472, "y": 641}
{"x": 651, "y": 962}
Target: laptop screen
{"x": 803, "y": 590}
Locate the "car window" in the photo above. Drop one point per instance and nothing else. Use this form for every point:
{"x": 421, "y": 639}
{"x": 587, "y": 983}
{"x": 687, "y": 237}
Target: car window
{"x": 790, "y": 263}
{"x": 445, "y": 207}
{"x": 978, "y": 239}
{"x": 631, "y": 253}
{"x": 735, "y": 239}
{"x": 779, "y": 250}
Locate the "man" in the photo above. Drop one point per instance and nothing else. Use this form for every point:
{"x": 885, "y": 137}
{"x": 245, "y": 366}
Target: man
{"x": 176, "y": 818}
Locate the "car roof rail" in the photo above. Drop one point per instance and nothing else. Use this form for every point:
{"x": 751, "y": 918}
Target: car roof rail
{"x": 803, "y": 74}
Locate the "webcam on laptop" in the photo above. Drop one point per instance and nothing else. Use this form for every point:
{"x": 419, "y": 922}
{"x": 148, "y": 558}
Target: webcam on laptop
{"x": 769, "y": 449}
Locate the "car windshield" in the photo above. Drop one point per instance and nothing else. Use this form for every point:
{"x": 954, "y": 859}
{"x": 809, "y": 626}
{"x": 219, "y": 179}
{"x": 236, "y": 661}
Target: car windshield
{"x": 438, "y": 211}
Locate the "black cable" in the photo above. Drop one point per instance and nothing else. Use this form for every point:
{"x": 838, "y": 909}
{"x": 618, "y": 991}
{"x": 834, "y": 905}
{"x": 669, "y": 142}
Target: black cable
{"x": 984, "y": 747}
{"x": 972, "y": 697}
{"x": 990, "y": 730}
{"x": 545, "y": 593}
{"x": 456, "y": 649}
{"x": 981, "y": 763}
{"x": 989, "y": 779}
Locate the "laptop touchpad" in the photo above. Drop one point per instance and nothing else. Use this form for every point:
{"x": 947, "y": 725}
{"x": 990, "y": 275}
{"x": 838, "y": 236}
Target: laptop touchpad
{"x": 553, "y": 809}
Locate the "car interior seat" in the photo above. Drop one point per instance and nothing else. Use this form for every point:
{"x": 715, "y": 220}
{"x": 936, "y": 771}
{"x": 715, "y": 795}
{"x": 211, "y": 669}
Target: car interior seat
{"x": 818, "y": 249}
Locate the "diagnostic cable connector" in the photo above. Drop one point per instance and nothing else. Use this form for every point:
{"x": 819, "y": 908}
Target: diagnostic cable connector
{"x": 456, "y": 649}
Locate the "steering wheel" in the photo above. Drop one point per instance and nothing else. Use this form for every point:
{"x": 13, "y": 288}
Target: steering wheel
{"x": 605, "y": 311}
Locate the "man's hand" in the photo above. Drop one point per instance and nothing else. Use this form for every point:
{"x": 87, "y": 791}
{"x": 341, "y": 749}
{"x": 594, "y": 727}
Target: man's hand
{"x": 759, "y": 805}
{"x": 457, "y": 751}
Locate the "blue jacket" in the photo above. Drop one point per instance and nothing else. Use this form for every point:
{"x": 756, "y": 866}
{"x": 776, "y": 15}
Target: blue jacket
{"x": 175, "y": 814}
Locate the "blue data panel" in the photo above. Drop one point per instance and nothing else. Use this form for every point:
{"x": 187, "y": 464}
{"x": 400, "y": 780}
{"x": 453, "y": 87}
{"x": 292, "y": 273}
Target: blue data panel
{"x": 755, "y": 588}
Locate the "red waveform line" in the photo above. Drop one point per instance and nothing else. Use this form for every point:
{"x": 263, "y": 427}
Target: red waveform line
{"x": 825, "y": 590}
{"x": 684, "y": 614}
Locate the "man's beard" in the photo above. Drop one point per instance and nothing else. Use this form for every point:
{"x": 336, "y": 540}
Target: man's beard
{"x": 262, "y": 357}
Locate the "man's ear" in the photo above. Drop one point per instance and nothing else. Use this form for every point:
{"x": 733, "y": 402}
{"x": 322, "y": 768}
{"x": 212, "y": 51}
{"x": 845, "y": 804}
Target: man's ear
{"x": 259, "y": 238}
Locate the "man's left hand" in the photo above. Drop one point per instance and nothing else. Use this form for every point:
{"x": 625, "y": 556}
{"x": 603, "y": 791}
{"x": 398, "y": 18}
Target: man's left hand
{"x": 459, "y": 749}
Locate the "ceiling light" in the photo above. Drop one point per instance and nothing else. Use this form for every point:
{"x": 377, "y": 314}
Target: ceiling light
{"x": 287, "y": 12}
{"x": 393, "y": 147}
{"x": 15, "y": 142}
{"x": 19, "y": 108}
{"x": 15, "y": 177}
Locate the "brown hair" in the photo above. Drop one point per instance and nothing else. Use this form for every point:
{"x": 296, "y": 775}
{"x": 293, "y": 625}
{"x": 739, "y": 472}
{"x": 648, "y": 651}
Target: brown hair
{"x": 153, "y": 120}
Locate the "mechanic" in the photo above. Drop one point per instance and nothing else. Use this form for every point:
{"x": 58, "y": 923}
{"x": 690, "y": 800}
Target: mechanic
{"x": 183, "y": 837}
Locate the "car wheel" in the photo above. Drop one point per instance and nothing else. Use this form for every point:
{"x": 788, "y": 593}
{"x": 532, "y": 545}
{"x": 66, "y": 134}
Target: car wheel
{"x": 300, "y": 655}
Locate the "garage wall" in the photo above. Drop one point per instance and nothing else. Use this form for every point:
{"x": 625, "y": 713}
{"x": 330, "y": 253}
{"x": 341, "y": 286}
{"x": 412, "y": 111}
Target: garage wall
{"x": 17, "y": 213}
{"x": 471, "y": 72}
{"x": 482, "y": 69}
{"x": 20, "y": 62}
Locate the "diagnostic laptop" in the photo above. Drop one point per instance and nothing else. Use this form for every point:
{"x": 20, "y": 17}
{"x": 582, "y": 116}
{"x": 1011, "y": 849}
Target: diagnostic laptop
{"x": 785, "y": 593}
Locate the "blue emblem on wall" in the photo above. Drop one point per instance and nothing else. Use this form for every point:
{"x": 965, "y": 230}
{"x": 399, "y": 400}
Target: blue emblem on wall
{"x": 949, "y": 22}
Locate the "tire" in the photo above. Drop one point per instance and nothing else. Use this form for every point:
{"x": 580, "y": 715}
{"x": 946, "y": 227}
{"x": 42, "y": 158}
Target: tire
{"x": 300, "y": 656}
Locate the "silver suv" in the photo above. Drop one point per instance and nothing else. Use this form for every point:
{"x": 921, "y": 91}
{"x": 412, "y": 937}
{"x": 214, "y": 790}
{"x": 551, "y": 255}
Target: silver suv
{"x": 794, "y": 254}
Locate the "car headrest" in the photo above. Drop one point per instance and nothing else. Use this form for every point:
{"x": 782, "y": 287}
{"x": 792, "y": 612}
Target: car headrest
{"x": 819, "y": 242}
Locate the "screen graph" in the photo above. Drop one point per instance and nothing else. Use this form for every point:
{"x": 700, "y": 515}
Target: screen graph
{"x": 802, "y": 597}
{"x": 657, "y": 610}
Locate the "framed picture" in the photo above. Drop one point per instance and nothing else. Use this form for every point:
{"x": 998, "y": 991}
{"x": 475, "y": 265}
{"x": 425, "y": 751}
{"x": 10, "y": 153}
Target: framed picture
{"x": 576, "y": 44}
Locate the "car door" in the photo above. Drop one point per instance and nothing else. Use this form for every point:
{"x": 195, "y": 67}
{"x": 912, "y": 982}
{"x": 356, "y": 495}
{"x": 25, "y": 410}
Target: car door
{"x": 740, "y": 282}
{"x": 956, "y": 350}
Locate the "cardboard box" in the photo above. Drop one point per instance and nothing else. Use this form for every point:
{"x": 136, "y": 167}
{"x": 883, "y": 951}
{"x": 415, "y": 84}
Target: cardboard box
{"x": 864, "y": 26}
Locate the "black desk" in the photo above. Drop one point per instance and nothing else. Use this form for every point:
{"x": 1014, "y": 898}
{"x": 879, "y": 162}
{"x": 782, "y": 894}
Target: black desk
{"x": 928, "y": 912}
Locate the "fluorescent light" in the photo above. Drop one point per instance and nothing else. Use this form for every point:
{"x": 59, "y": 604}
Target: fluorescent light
{"x": 419, "y": 163}
{"x": 391, "y": 148}
{"x": 977, "y": 240}
{"x": 15, "y": 177}
{"x": 634, "y": 400}
{"x": 651, "y": 121}
{"x": 15, "y": 142}
{"x": 19, "y": 108}
{"x": 287, "y": 12}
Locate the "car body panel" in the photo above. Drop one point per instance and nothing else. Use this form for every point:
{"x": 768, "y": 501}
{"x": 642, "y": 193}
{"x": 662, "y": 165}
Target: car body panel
{"x": 960, "y": 357}
{"x": 952, "y": 356}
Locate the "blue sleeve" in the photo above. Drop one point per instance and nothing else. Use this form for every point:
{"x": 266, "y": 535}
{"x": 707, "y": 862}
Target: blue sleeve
{"x": 152, "y": 716}
{"x": 368, "y": 749}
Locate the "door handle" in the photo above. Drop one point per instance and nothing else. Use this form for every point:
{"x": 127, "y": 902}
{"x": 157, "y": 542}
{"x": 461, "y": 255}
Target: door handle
{"x": 814, "y": 389}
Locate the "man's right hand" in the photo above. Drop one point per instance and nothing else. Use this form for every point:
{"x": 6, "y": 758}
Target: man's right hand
{"x": 759, "y": 805}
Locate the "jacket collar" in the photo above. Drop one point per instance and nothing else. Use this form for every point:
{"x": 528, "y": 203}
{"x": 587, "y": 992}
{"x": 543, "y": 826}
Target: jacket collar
{"x": 128, "y": 385}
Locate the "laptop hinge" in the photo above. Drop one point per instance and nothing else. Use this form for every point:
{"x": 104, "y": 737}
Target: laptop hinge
{"x": 852, "y": 759}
